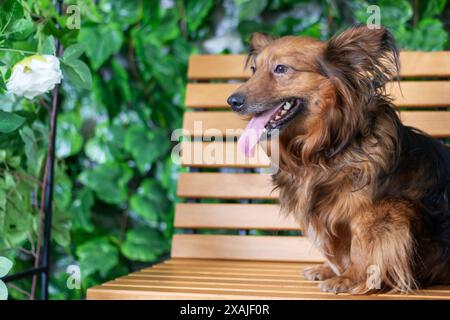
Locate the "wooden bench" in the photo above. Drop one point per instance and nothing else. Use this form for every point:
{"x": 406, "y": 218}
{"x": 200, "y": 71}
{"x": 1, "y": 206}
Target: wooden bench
{"x": 242, "y": 262}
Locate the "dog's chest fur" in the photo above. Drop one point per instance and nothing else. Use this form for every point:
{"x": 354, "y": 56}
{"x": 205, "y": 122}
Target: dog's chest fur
{"x": 323, "y": 210}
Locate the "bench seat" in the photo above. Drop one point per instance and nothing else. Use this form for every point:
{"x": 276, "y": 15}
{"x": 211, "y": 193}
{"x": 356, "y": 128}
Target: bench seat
{"x": 225, "y": 279}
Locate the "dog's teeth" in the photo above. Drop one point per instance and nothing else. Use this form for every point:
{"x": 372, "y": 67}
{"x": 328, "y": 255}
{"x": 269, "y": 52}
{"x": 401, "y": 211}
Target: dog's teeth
{"x": 287, "y": 106}
{"x": 283, "y": 112}
{"x": 277, "y": 118}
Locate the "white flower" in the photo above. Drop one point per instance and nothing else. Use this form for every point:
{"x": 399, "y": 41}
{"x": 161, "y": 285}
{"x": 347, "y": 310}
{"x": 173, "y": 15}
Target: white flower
{"x": 34, "y": 75}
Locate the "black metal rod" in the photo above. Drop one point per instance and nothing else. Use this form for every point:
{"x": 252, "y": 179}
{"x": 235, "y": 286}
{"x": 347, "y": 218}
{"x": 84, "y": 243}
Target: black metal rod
{"x": 49, "y": 183}
{"x": 23, "y": 274}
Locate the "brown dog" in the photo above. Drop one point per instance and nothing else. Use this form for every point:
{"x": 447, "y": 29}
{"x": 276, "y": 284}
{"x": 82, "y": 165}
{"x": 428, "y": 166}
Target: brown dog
{"x": 371, "y": 193}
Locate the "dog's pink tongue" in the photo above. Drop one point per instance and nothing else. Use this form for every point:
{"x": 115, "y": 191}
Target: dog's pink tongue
{"x": 252, "y": 133}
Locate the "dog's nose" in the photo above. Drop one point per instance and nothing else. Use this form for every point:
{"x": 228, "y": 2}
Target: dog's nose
{"x": 236, "y": 101}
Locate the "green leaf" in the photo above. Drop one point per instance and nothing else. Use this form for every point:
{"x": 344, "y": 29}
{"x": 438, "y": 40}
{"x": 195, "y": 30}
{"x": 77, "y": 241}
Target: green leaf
{"x": 430, "y": 8}
{"x": 124, "y": 12}
{"x": 143, "y": 244}
{"x": 250, "y": 9}
{"x": 81, "y": 210}
{"x": 31, "y": 151}
{"x": 107, "y": 143}
{"x": 73, "y": 52}
{"x": 146, "y": 145}
{"x": 69, "y": 141}
{"x": 9, "y": 121}
{"x": 149, "y": 201}
{"x": 394, "y": 13}
{"x": 429, "y": 35}
{"x": 78, "y": 73}
{"x": 108, "y": 181}
{"x": 2, "y": 84}
{"x": 5, "y": 266}
{"x": 433, "y": 35}
{"x": 21, "y": 29}
{"x": 48, "y": 46}
{"x": 97, "y": 255}
{"x": 3, "y": 291}
{"x": 196, "y": 12}
{"x": 101, "y": 42}
{"x": 10, "y": 11}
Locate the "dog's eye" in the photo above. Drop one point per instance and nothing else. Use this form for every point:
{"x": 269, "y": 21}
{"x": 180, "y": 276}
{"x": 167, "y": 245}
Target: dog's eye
{"x": 253, "y": 69}
{"x": 280, "y": 69}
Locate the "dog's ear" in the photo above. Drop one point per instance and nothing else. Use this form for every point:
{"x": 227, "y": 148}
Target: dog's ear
{"x": 362, "y": 57}
{"x": 259, "y": 41}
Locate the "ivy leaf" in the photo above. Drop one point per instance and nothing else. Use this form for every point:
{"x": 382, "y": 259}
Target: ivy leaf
{"x": 78, "y": 73}
{"x": 196, "y": 12}
{"x": 73, "y": 52}
{"x": 21, "y": 29}
{"x": 9, "y": 121}
{"x": 81, "y": 210}
{"x": 2, "y": 82}
{"x": 124, "y": 12}
{"x": 148, "y": 202}
{"x": 108, "y": 181}
{"x": 250, "y": 9}
{"x": 5, "y": 266}
{"x": 101, "y": 42}
{"x": 433, "y": 35}
{"x": 143, "y": 244}
{"x": 107, "y": 143}
{"x": 431, "y": 8}
{"x": 30, "y": 142}
{"x": 3, "y": 291}
{"x": 69, "y": 141}
{"x": 429, "y": 35}
{"x": 11, "y": 10}
{"x": 146, "y": 145}
{"x": 97, "y": 255}
{"x": 48, "y": 46}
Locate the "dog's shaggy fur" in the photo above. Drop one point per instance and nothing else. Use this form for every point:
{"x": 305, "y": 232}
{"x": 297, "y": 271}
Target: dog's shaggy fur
{"x": 368, "y": 191}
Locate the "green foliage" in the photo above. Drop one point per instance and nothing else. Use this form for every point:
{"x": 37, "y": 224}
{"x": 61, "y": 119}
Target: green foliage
{"x": 97, "y": 255}
{"x": 5, "y": 266}
{"x": 124, "y": 85}
{"x": 418, "y": 29}
{"x": 9, "y": 121}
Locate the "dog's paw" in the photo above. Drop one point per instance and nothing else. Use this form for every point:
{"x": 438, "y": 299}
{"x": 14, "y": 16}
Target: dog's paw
{"x": 337, "y": 285}
{"x": 320, "y": 272}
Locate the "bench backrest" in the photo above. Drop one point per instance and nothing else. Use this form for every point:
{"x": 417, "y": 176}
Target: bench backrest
{"x": 229, "y": 202}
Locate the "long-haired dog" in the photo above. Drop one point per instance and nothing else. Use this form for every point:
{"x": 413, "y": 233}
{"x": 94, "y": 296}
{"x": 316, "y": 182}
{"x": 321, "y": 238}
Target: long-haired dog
{"x": 370, "y": 192}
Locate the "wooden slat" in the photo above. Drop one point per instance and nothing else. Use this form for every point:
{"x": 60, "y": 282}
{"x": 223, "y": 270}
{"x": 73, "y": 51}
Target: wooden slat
{"x": 413, "y": 64}
{"x": 220, "y": 154}
{"x": 420, "y": 94}
{"x": 425, "y": 64}
{"x": 412, "y": 94}
{"x": 112, "y": 291}
{"x": 239, "y": 263}
{"x": 264, "y": 248}
{"x": 244, "y": 286}
{"x": 232, "y": 216}
{"x": 226, "y": 186}
{"x": 226, "y": 269}
{"x": 232, "y": 279}
{"x": 227, "y": 123}
{"x": 435, "y": 123}
{"x": 230, "y": 66}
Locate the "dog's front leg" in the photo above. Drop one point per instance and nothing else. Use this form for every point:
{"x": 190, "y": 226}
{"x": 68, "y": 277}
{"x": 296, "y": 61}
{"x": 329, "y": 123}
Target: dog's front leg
{"x": 381, "y": 251}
